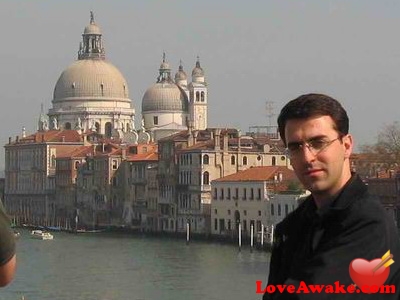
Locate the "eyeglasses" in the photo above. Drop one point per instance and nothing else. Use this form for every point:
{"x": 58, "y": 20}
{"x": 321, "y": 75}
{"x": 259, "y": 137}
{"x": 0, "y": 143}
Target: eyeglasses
{"x": 315, "y": 146}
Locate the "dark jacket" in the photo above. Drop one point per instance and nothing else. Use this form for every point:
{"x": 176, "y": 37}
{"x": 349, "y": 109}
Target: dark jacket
{"x": 318, "y": 247}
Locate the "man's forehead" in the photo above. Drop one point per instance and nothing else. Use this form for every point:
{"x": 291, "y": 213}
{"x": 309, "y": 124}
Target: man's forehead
{"x": 319, "y": 125}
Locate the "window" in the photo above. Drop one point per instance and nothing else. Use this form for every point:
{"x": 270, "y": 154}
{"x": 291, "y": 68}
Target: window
{"x": 216, "y": 224}
{"x": 114, "y": 164}
{"x": 206, "y": 159}
{"x": 258, "y": 225}
{"x": 197, "y": 96}
{"x": 251, "y": 194}
{"x": 53, "y": 161}
{"x": 244, "y": 225}
{"x": 273, "y": 161}
{"x": 236, "y": 193}
{"x": 272, "y": 209}
{"x": 245, "y": 160}
{"x": 155, "y": 120}
{"x": 222, "y": 194}
{"x": 244, "y": 194}
{"x": 259, "y": 194}
{"x": 215, "y": 193}
{"x": 76, "y": 164}
{"x": 233, "y": 160}
{"x": 245, "y": 212}
{"x": 279, "y": 209}
{"x": 229, "y": 212}
{"x": 286, "y": 209}
{"x": 229, "y": 194}
{"x": 215, "y": 211}
{"x": 206, "y": 178}
{"x": 202, "y": 96}
{"x": 259, "y": 213}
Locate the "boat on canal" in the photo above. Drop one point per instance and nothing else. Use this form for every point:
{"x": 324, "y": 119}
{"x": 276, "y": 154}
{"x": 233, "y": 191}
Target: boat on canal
{"x": 41, "y": 235}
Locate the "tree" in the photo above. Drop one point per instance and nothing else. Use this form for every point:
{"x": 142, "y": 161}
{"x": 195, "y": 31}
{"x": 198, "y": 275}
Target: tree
{"x": 384, "y": 155}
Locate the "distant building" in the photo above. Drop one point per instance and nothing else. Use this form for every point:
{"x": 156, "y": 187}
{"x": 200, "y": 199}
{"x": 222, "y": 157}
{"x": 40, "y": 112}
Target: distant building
{"x": 256, "y": 196}
{"x": 30, "y": 173}
{"x": 170, "y": 106}
{"x": 190, "y": 160}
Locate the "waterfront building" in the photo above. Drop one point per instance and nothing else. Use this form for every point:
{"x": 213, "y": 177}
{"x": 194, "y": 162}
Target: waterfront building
{"x": 190, "y": 160}
{"x": 30, "y": 169}
{"x": 262, "y": 195}
{"x": 170, "y": 106}
{"x": 141, "y": 201}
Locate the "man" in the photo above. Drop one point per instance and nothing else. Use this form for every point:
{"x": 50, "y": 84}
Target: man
{"x": 7, "y": 250}
{"x": 339, "y": 221}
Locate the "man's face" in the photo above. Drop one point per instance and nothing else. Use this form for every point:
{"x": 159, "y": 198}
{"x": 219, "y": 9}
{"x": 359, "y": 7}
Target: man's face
{"x": 325, "y": 169}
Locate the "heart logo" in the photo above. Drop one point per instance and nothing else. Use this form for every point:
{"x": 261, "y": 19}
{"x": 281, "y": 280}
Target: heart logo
{"x": 362, "y": 272}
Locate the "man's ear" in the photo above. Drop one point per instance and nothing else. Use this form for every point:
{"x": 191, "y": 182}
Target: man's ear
{"x": 347, "y": 141}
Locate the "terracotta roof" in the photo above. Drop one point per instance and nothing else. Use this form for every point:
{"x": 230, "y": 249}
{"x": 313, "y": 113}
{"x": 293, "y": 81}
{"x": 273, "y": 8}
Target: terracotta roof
{"x": 61, "y": 136}
{"x": 144, "y": 157}
{"x": 260, "y": 174}
{"x": 81, "y": 151}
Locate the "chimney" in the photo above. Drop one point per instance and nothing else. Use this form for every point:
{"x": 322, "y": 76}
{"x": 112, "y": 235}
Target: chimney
{"x": 194, "y": 135}
{"x": 23, "y": 132}
{"x": 63, "y": 138}
{"x": 17, "y": 138}
{"x": 9, "y": 140}
{"x": 123, "y": 150}
{"x": 217, "y": 139}
{"x": 226, "y": 141}
{"x": 239, "y": 135}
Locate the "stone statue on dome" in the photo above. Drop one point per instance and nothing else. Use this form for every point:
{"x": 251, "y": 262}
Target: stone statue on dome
{"x": 55, "y": 123}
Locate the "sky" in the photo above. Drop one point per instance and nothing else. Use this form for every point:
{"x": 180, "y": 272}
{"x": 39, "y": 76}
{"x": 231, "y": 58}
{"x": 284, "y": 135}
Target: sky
{"x": 252, "y": 52}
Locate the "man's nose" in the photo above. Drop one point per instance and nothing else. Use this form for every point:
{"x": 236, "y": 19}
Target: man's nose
{"x": 308, "y": 154}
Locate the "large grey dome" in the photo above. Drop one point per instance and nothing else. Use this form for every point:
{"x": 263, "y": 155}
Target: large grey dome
{"x": 165, "y": 96}
{"x": 91, "y": 78}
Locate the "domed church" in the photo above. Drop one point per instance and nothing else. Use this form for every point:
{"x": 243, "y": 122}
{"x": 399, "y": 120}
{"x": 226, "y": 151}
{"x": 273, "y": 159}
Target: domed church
{"x": 91, "y": 94}
{"x": 170, "y": 106}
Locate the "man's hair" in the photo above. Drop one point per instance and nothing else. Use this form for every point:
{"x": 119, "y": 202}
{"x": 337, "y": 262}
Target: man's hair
{"x": 314, "y": 105}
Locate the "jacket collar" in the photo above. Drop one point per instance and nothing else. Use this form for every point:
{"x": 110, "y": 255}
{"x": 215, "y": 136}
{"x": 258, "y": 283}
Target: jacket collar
{"x": 352, "y": 190}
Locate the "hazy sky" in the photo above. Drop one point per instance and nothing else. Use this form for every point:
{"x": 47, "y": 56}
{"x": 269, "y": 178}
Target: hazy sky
{"x": 252, "y": 51}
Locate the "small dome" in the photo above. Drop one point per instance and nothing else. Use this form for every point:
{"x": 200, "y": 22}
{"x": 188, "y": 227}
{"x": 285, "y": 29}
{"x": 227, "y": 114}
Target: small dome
{"x": 90, "y": 78}
{"x": 197, "y": 71}
{"x": 165, "y": 97}
{"x": 165, "y": 66}
{"x": 92, "y": 28}
{"x": 180, "y": 75}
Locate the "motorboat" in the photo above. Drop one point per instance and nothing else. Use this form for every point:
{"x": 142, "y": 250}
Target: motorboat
{"x": 41, "y": 235}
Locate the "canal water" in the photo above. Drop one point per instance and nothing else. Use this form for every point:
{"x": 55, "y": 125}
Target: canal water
{"x": 124, "y": 267}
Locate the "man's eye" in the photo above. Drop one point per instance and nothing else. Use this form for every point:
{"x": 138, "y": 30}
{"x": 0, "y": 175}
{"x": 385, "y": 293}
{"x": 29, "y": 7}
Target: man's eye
{"x": 294, "y": 147}
{"x": 317, "y": 144}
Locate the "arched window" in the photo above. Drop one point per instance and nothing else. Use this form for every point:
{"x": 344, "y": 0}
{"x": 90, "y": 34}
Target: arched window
{"x": 108, "y": 129}
{"x": 273, "y": 160}
{"x": 67, "y": 125}
{"x": 233, "y": 160}
{"x": 197, "y": 96}
{"x": 202, "y": 97}
{"x": 206, "y": 159}
{"x": 245, "y": 160}
{"x": 97, "y": 127}
{"x": 206, "y": 178}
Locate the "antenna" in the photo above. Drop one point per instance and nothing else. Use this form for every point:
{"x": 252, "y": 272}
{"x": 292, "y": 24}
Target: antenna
{"x": 269, "y": 107}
